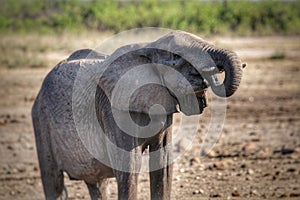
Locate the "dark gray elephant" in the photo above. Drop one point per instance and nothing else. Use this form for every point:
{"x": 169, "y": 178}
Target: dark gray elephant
{"x": 136, "y": 87}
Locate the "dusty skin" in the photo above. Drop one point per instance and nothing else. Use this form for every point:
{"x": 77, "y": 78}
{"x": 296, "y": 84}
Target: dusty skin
{"x": 257, "y": 155}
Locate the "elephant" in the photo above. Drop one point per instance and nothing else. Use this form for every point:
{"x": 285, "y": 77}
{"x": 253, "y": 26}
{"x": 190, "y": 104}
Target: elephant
{"x": 86, "y": 53}
{"x": 142, "y": 85}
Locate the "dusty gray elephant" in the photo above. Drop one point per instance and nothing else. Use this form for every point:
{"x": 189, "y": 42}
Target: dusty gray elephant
{"x": 61, "y": 148}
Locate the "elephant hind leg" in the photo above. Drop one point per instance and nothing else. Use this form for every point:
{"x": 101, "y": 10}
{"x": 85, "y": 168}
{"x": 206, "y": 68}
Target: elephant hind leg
{"x": 96, "y": 192}
{"x": 52, "y": 177}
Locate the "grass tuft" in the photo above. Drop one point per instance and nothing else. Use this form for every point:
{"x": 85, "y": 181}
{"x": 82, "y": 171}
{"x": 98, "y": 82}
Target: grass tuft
{"x": 277, "y": 56}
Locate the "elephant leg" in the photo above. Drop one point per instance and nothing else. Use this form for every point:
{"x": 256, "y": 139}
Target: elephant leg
{"x": 161, "y": 168}
{"x": 127, "y": 185}
{"x": 97, "y": 192}
{"x": 52, "y": 177}
{"x": 127, "y": 175}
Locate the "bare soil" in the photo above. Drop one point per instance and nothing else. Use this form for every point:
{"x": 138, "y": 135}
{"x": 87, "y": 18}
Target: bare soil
{"x": 257, "y": 155}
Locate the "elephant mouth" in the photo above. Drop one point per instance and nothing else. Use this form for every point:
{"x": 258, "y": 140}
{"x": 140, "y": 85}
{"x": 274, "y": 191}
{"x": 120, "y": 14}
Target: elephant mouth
{"x": 202, "y": 100}
{"x": 190, "y": 105}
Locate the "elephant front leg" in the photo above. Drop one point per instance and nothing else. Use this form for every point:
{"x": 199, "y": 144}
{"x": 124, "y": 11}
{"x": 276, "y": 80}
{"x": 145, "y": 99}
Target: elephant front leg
{"x": 126, "y": 173}
{"x": 127, "y": 185}
{"x": 161, "y": 168}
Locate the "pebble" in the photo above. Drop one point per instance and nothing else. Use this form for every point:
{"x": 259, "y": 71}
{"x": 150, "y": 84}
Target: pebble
{"x": 196, "y": 192}
{"x": 253, "y": 193}
{"x": 235, "y": 193}
{"x": 297, "y": 150}
{"x": 291, "y": 170}
{"x": 243, "y": 166}
{"x": 222, "y": 164}
{"x": 21, "y": 168}
{"x": 249, "y": 147}
{"x": 195, "y": 160}
{"x": 294, "y": 194}
{"x": 201, "y": 191}
{"x": 30, "y": 181}
{"x": 219, "y": 195}
{"x": 284, "y": 151}
{"x": 3, "y": 122}
{"x": 252, "y": 133}
{"x": 212, "y": 154}
{"x": 250, "y": 171}
{"x": 9, "y": 147}
{"x": 78, "y": 195}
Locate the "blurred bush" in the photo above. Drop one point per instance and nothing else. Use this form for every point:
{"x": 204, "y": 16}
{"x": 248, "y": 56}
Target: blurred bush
{"x": 209, "y": 17}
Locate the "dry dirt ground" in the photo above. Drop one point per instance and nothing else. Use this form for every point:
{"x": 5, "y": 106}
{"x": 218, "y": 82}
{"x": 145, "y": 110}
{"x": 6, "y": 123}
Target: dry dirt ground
{"x": 257, "y": 155}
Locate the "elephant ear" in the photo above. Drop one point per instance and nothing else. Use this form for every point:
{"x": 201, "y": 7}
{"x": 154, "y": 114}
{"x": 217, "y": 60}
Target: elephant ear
{"x": 132, "y": 84}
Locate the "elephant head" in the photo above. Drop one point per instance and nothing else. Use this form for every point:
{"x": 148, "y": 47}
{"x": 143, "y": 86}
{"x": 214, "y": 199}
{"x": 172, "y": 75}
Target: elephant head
{"x": 200, "y": 54}
{"x": 175, "y": 69}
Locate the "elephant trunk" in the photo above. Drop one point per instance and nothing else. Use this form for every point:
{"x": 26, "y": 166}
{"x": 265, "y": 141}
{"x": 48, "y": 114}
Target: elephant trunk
{"x": 230, "y": 63}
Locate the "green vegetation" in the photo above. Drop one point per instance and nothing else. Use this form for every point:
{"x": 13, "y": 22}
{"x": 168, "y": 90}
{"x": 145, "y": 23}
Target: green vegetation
{"x": 49, "y": 23}
{"x": 277, "y": 56}
{"x": 236, "y": 17}
{"x": 23, "y": 51}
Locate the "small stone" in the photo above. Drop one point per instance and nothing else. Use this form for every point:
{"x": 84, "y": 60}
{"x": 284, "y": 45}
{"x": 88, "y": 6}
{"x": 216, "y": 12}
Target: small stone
{"x": 196, "y": 192}
{"x": 252, "y": 133}
{"x": 219, "y": 165}
{"x": 294, "y": 195}
{"x": 222, "y": 164}
{"x": 235, "y": 193}
{"x": 251, "y": 99}
{"x": 253, "y": 193}
{"x": 255, "y": 139}
{"x": 243, "y": 166}
{"x": 9, "y": 147}
{"x": 212, "y": 154}
{"x": 297, "y": 150}
{"x": 29, "y": 181}
{"x": 28, "y": 145}
{"x": 265, "y": 152}
{"x": 291, "y": 170}
{"x": 21, "y": 169}
{"x": 249, "y": 147}
{"x": 195, "y": 160}
{"x": 182, "y": 170}
{"x": 285, "y": 151}
{"x": 13, "y": 121}
{"x": 283, "y": 195}
{"x": 3, "y": 122}
{"x": 250, "y": 171}
{"x": 219, "y": 195}
{"x": 36, "y": 167}
{"x": 201, "y": 191}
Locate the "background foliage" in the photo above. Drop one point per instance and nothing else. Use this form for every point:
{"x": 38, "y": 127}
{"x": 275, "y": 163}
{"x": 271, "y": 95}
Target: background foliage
{"x": 209, "y": 17}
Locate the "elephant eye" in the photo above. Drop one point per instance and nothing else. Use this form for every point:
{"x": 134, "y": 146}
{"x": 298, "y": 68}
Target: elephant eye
{"x": 194, "y": 72}
{"x": 176, "y": 57}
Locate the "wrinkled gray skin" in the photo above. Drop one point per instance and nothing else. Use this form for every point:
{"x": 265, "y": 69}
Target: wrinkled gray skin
{"x": 60, "y": 148}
